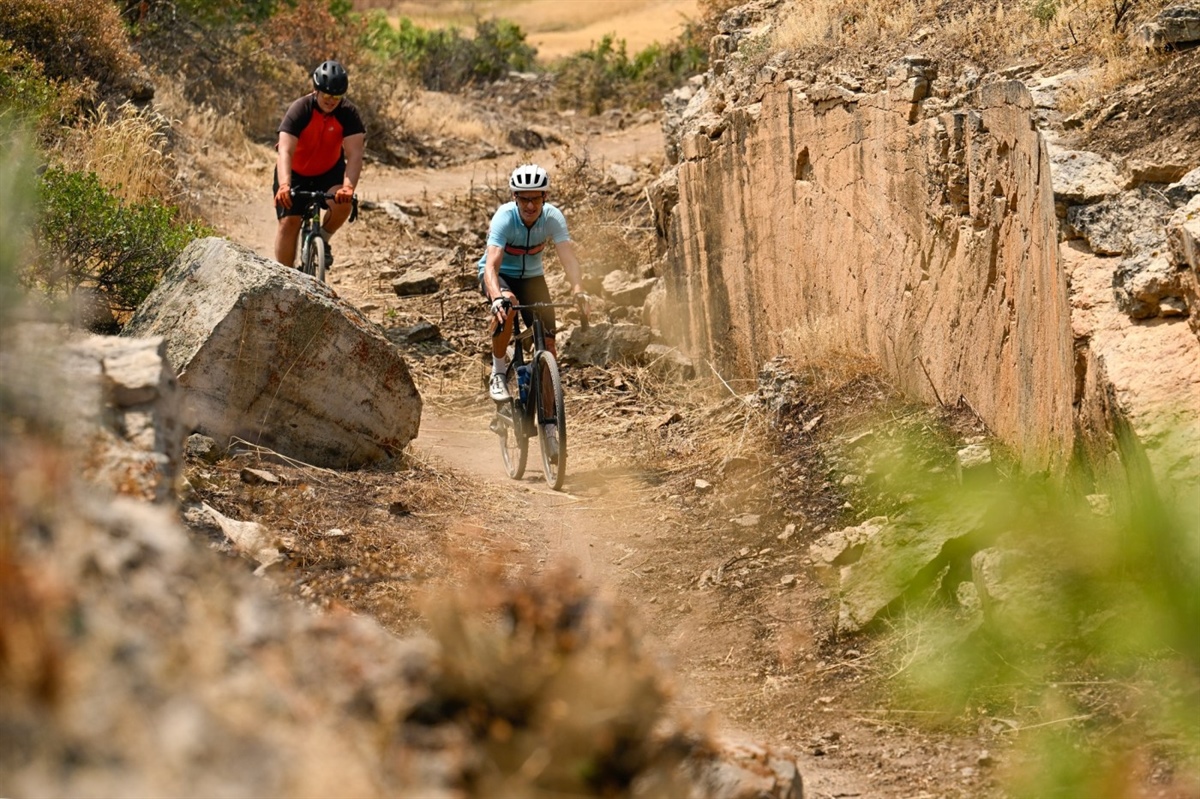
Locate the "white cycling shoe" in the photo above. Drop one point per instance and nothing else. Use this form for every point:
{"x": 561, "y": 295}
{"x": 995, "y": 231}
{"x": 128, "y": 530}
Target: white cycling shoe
{"x": 497, "y": 390}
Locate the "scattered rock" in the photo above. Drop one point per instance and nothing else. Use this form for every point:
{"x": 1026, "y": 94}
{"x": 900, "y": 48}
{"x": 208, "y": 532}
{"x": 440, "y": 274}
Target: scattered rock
{"x": 415, "y": 283}
{"x": 250, "y": 539}
{"x": 260, "y": 477}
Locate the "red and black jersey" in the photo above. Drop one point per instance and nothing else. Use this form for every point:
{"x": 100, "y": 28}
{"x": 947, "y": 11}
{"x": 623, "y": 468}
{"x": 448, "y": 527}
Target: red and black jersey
{"x": 320, "y": 134}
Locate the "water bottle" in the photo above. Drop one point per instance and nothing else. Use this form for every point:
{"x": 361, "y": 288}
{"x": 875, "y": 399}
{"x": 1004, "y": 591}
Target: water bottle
{"x": 523, "y": 381}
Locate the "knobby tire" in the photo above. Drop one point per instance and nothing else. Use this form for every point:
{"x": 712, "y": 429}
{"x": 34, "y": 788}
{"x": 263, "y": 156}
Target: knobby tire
{"x": 320, "y": 258}
{"x": 546, "y": 380}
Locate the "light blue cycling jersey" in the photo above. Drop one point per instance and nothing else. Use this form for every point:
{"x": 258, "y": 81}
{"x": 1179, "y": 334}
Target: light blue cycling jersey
{"x": 523, "y": 245}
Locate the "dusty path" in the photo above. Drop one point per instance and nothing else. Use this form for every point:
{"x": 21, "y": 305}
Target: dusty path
{"x": 607, "y": 523}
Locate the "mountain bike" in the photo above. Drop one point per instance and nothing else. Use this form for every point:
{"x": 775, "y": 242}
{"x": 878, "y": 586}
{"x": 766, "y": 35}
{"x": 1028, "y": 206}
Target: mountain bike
{"x": 536, "y": 401}
{"x": 314, "y": 250}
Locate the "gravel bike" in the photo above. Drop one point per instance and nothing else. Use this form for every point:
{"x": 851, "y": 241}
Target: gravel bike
{"x": 314, "y": 250}
{"x": 535, "y": 401}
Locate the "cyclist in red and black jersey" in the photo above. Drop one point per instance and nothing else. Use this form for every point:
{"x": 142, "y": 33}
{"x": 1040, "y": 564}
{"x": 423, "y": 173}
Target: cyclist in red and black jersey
{"x": 321, "y": 140}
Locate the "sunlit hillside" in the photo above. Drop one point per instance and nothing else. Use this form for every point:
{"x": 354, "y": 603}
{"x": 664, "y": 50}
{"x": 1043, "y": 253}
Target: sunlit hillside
{"x": 557, "y": 28}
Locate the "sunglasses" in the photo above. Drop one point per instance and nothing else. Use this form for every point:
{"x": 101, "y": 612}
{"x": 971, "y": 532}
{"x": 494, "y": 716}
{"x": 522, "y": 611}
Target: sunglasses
{"x": 330, "y": 96}
{"x": 530, "y": 200}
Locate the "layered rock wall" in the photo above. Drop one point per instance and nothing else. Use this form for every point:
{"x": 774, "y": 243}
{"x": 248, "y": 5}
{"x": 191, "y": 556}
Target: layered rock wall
{"x": 824, "y": 217}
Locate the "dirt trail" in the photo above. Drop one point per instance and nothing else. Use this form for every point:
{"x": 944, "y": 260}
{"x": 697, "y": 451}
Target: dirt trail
{"x": 607, "y": 522}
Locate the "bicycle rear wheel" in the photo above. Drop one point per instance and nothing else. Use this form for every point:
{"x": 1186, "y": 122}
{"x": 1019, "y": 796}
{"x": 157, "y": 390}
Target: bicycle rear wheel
{"x": 510, "y": 427}
{"x": 548, "y": 396}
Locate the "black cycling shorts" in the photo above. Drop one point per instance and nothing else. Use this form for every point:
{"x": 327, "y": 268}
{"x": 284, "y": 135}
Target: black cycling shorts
{"x": 332, "y": 179}
{"x": 528, "y": 289}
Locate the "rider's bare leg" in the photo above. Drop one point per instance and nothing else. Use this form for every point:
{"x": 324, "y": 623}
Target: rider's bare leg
{"x": 337, "y": 214}
{"x": 500, "y": 342}
{"x": 285, "y": 240}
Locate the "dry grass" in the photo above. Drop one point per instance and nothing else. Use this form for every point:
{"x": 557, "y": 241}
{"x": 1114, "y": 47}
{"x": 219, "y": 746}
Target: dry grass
{"x": 1119, "y": 67}
{"x": 837, "y": 23}
{"x": 431, "y": 115}
{"x": 993, "y": 35}
{"x": 125, "y": 147}
{"x": 579, "y": 713}
{"x": 819, "y": 353}
{"x": 203, "y": 127}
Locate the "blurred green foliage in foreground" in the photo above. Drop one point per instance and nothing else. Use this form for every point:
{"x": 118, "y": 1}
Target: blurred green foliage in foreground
{"x": 1072, "y": 623}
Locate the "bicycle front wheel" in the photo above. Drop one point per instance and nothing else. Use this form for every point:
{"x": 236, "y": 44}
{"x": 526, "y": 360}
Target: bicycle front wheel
{"x": 551, "y": 417}
{"x": 318, "y": 257}
{"x": 510, "y": 427}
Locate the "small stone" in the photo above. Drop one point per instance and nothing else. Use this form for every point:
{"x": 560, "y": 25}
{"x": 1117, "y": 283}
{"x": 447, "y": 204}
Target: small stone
{"x": 703, "y": 486}
{"x": 259, "y": 477}
{"x": 788, "y": 580}
{"x": 787, "y": 533}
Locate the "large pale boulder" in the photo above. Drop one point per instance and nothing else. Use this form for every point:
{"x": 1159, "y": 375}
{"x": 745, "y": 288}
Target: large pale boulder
{"x": 270, "y": 356}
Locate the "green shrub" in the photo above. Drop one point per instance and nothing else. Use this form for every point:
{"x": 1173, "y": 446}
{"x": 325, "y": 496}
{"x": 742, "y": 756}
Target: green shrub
{"x": 88, "y": 238}
{"x": 444, "y": 59}
{"x": 1078, "y": 619}
{"x": 605, "y": 76}
{"x": 26, "y": 92}
{"x": 16, "y": 184}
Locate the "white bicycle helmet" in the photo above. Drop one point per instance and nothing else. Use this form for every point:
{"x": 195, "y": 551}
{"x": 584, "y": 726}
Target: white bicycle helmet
{"x": 529, "y": 177}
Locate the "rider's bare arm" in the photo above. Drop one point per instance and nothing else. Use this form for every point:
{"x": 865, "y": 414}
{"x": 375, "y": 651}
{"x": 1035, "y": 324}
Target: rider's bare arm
{"x": 283, "y": 167}
{"x": 287, "y": 151}
{"x": 570, "y": 261}
{"x": 491, "y": 271}
{"x": 353, "y": 147}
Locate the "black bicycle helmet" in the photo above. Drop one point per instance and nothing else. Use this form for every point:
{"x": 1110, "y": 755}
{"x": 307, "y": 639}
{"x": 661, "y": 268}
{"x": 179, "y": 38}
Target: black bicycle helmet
{"x": 330, "y": 78}
{"x": 529, "y": 177}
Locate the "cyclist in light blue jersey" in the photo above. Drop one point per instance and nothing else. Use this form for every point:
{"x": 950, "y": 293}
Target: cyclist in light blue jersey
{"x": 511, "y": 271}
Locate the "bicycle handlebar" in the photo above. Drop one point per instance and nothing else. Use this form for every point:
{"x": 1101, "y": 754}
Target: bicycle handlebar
{"x": 322, "y": 196}
{"x": 577, "y": 303}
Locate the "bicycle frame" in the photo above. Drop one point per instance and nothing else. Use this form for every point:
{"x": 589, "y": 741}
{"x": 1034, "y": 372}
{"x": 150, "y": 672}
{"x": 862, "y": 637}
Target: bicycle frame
{"x": 313, "y": 250}
{"x": 541, "y": 406}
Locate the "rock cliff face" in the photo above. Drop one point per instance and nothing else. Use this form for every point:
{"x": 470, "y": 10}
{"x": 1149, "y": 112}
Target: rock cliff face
{"x": 928, "y": 244}
{"x": 943, "y": 229}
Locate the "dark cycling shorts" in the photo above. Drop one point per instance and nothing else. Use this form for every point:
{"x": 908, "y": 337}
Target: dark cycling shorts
{"x": 329, "y": 180}
{"x": 531, "y": 290}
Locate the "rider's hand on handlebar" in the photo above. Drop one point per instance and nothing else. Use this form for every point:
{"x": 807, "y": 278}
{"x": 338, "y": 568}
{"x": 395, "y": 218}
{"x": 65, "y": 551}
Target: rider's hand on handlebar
{"x": 283, "y": 197}
{"x": 581, "y": 300}
{"x": 500, "y": 308}
{"x": 344, "y": 194}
